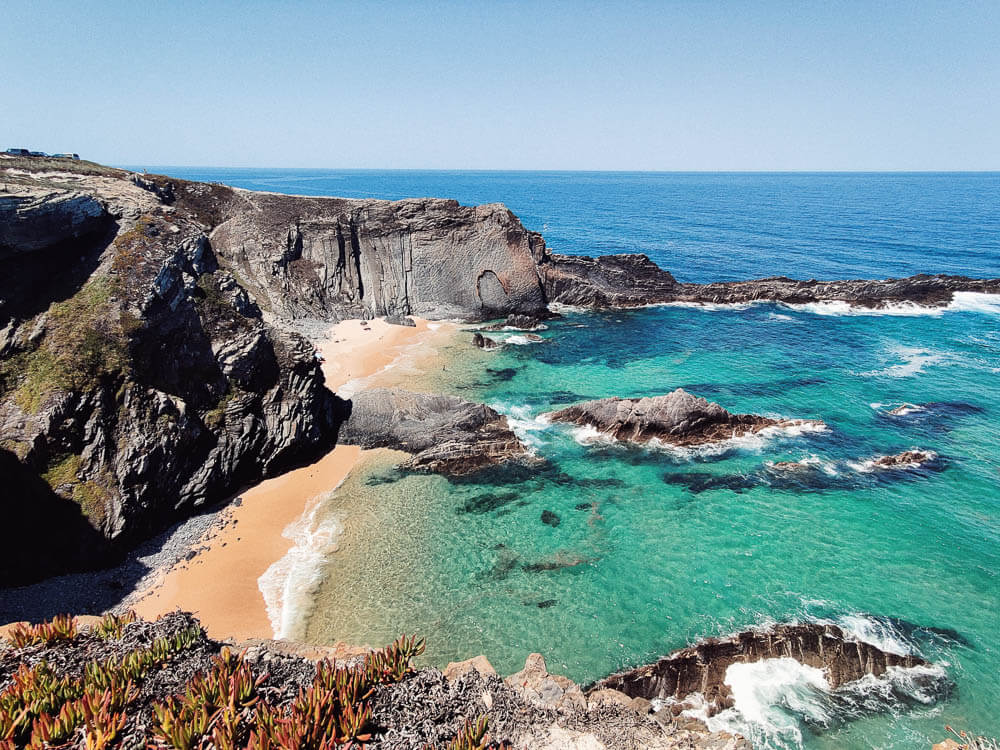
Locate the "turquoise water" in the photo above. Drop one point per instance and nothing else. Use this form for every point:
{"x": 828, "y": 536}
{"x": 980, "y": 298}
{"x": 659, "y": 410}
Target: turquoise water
{"x": 654, "y": 549}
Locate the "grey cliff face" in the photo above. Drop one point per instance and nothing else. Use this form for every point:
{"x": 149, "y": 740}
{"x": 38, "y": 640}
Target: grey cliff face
{"x": 445, "y": 434}
{"x": 677, "y": 418}
{"x": 334, "y": 258}
{"x": 147, "y": 386}
{"x": 34, "y": 218}
{"x": 702, "y": 668}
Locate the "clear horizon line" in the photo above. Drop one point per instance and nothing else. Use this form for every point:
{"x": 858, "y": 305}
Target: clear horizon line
{"x": 568, "y": 171}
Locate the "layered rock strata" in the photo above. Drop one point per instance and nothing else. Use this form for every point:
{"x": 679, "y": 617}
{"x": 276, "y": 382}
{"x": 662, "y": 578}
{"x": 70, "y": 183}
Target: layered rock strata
{"x": 634, "y": 281}
{"x": 678, "y": 419}
{"x": 445, "y": 434}
{"x": 702, "y": 668}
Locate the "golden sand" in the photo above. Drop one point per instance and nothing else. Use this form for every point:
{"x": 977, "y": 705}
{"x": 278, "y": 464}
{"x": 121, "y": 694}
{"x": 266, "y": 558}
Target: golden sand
{"x": 220, "y": 583}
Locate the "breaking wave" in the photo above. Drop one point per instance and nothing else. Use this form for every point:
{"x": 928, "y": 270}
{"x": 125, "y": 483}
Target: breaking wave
{"x": 750, "y": 443}
{"x": 779, "y": 702}
{"x": 289, "y": 585}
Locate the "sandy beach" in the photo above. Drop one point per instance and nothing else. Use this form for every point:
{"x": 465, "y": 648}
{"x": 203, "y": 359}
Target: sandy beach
{"x": 220, "y": 581}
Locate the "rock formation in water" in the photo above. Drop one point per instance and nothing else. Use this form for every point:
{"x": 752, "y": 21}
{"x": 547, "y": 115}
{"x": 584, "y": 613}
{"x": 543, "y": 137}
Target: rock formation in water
{"x": 910, "y": 459}
{"x": 445, "y": 434}
{"x": 634, "y": 280}
{"x": 702, "y": 668}
{"x": 677, "y": 418}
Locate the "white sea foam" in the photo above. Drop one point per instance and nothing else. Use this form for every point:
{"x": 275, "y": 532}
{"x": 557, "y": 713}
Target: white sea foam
{"x": 712, "y": 306}
{"x": 841, "y": 308}
{"x": 523, "y": 424}
{"x": 779, "y": 316}
{"x": 521, "y": 340}
{"x": 590, "y": 435}
{"x": 774, "y": 699}
{"x": 914, "y": 362}
{"x": 878, "y": 633}
{"x": 975, "y": 302}
{"x": 289, "y": 585}
{"x": 770, "y": 699}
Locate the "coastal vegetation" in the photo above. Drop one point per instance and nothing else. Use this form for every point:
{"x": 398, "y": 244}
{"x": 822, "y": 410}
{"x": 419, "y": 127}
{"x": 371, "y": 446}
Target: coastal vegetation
{"x": 123, "y": 682}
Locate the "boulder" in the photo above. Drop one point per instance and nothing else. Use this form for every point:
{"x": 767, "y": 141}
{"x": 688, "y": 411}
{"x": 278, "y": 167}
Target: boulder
{"x": 678, "y": 418}
{"x": 535, "y": 685}
{"x": 479, "y": 664}
{"x": 445, "y": 434}
{"x": 484, "y": 342}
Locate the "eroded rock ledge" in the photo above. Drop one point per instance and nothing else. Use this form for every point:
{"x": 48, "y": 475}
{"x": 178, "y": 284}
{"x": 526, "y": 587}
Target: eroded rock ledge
{"x": 702, "y": 668}
{"x": 634, "y": 281}
{"x": 678, "y": 419}
{"x": 446, "y": 434}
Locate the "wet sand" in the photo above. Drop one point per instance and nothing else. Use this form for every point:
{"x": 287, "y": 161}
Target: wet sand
{"x": 220, "y": 581}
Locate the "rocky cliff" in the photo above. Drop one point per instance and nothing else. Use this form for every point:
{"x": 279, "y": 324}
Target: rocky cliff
{"x": 146, "y": 363}
{"x": 333, "y": 258}
{"x": 148, "y": 360}
{"x": 138, "y": 379}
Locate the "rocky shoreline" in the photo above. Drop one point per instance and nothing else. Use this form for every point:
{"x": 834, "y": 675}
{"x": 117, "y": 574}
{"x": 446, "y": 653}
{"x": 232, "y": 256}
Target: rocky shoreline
{"x": 532, "y": 708}
{"x": 149, "y": 356}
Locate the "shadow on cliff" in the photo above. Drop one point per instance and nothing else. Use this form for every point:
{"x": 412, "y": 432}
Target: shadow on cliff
{"x": 34, "y": 582}
{"x": 29, "y": 504}
{"x": 30, "y": 282}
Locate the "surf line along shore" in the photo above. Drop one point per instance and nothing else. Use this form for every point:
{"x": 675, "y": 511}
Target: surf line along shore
{"x": 220, "y": 583}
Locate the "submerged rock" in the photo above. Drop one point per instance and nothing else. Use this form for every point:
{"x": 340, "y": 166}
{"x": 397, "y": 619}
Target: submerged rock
{"x": 446, "y": 434}
{"x": 678, "y": 418}
{"x": 702, "y": 668}
{"x": 550, "y": 519}
{"x": 484, "y": 342}
{"x": 910, "y": 459}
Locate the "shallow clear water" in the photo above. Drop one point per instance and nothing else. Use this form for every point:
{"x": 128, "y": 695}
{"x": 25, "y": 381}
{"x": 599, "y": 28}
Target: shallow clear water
{"x": 654, "y": 548}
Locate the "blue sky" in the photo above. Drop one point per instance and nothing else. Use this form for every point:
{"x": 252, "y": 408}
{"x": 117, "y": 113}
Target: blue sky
{"x": 507, "y": 85}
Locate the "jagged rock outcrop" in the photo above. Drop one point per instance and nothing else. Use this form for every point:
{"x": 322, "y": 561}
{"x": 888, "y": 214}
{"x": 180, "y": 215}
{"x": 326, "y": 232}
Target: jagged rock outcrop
{"x": 634, "y": 280}
{"x": 33, "y": 218}
{"x": 702, "y": 668}
{"x": 446, "y": 434}
{"x": 335, "y": 258}
{"x": 677, "y": 418}
{"x": 910, "y": 459}
{"x": 138, "y": 384}
{"x": 608, "y": 281}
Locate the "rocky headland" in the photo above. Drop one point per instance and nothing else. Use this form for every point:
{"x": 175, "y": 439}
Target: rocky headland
{"x": 634, "y": 281}
{"x": 149, "y": 357}
{"x": 678, "y": 418}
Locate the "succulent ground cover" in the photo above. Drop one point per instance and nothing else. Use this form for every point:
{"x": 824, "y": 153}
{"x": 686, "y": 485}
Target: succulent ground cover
{"x": 129, "y": 683}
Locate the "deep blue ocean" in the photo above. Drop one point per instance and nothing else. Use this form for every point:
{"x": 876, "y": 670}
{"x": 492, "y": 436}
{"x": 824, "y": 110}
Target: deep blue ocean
{"x": 654, "y": 548}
